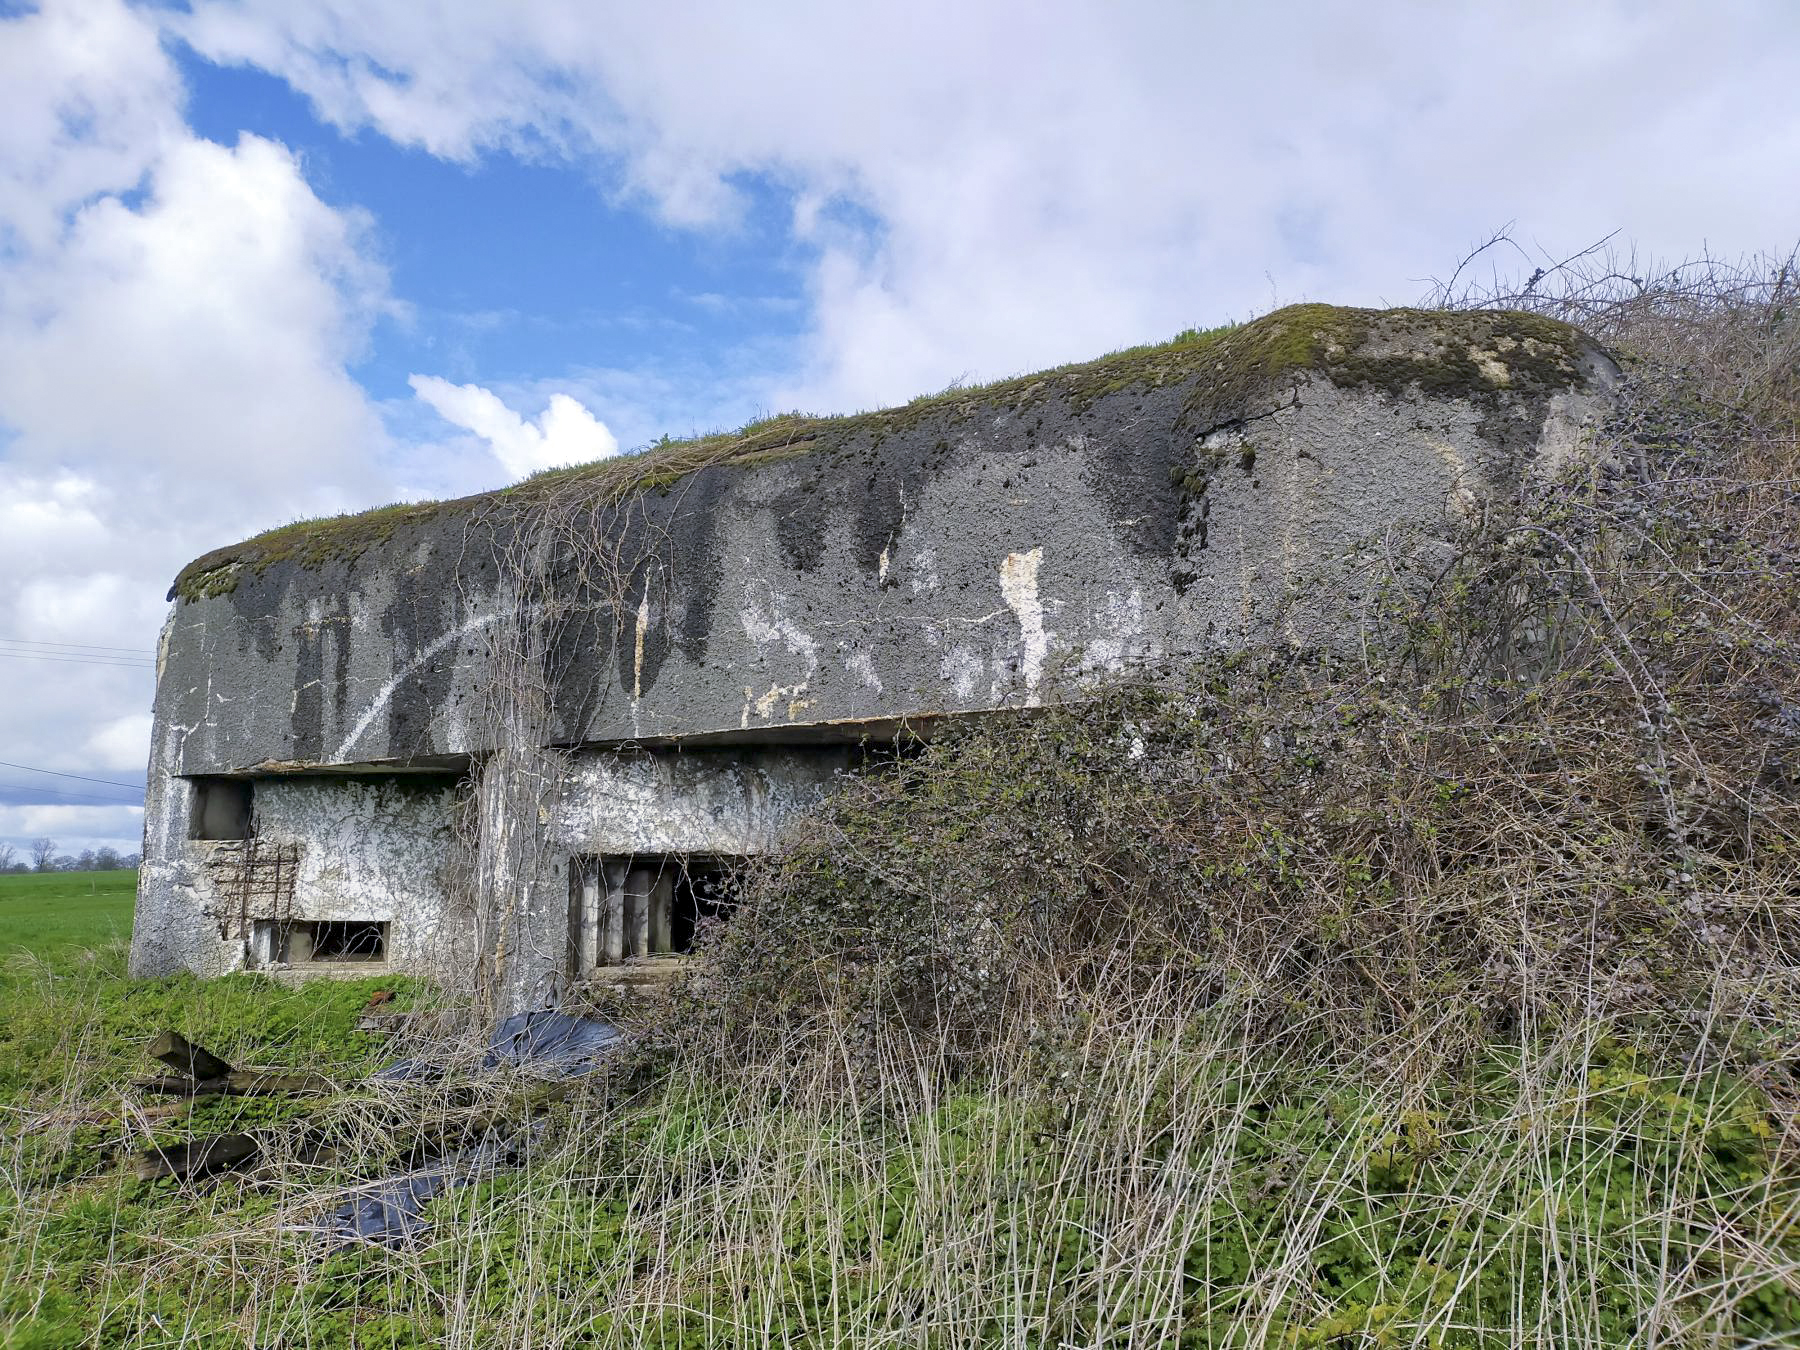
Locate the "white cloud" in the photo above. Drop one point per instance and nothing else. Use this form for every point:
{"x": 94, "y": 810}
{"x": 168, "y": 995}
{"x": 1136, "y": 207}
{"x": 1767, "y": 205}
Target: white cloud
{"x": 66, "y": 608}
{"x": 121, "y": 745}
{"x": 565, "y": 433}
{"x": 201, "y": 332}
{"x": 984, "y": 194}
{"x": 41, "y": 515}
{"x": 87, "y": 103}
{"x": 175, "y": 322}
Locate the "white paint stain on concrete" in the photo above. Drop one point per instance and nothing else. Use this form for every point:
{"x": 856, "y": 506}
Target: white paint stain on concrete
{"x": 1019, "y": 588}
{"x": 1120, "y": 637}
{"x": 768, "y": 626}
{"x": 862, "y": 665}
{"x": 342, "y": 754}
{"x": 960, "y": 668}
{"x": 693, "y": 802}
{"x": 637, "y": 665}
{"x": 925, "y": 571}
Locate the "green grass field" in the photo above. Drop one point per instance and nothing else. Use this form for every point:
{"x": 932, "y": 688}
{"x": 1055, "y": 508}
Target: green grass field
{"x": 58, "y": 914}
{"x": 76, "y": 1226}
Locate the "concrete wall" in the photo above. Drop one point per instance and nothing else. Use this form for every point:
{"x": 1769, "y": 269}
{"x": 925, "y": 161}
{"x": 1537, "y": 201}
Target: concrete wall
{"x": 970, "y": 555}
{"x": 383, "y": 849}
{"x": 701, "y": 801}
{"x": 617, "y": 803}
{"x": 326, "y": 848}
{"x": 965, "y": 561}
{"x": 379, "y": 850}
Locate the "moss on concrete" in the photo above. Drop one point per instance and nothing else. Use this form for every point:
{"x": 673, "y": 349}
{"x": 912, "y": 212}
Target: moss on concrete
{"x": 1235, "y": 372}
{"x": 314, "y": 543}
{"x": 1479, "y": 355}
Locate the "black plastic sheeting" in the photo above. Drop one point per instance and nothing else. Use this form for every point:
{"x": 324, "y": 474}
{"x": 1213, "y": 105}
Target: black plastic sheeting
{"x": 545, "y": 1044}
{"x": 391, "y": 1211}
{"x": 552, "y": 1044}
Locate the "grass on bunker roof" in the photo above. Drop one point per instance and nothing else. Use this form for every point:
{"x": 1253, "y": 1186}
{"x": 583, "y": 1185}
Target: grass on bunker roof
{"x": 315, "y": 541}
{"x": 1230, "y": 366}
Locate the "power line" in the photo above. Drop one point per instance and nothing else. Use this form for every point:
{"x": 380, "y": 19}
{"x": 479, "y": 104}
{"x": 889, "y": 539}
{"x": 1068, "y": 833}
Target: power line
{"x": 46, "y": 649}
{"x": 77, "y": 646}
{"x": 58, "y": 773}
{"x": 124, "y": 663}
{"x": 57, "y": 792}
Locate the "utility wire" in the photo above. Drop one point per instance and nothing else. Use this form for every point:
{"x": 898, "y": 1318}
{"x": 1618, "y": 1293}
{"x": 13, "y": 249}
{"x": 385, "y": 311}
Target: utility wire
{"x": 56, "y": 792}
{"x": 69, "y": 649}
{"x": 77, "y": 646}
{"x": 124, "y": 663}
{"x": 58, "y": 773}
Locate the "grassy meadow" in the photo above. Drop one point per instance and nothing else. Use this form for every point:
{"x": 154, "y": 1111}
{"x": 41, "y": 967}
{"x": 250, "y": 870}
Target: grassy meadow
{"x": 75, "y": 1228}
{"x": 57, "y": 913}
{"x": 1143, "y": 1166}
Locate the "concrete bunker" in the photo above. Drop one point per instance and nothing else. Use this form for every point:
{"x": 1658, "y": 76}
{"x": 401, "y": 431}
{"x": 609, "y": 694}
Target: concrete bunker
{"x": 523, "y": 735}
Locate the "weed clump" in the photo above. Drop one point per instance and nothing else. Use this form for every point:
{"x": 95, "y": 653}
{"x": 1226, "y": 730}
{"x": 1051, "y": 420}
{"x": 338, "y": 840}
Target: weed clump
{"x": 1441, "y": 995}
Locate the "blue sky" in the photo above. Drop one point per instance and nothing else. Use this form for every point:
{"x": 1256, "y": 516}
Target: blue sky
{"x": 262, "y": 259}
{"x": 513, "y": 268}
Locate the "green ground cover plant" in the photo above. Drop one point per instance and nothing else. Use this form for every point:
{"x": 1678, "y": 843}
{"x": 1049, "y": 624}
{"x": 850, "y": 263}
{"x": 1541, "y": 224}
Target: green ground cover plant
{"x": 72, "y": 1038}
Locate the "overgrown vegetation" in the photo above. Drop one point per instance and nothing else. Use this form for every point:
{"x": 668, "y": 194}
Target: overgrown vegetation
{"x": 1444, "y": 993}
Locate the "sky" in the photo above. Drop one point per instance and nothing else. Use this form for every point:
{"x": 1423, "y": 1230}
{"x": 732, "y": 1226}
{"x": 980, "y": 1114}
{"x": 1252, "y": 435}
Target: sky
{"x": 268, "y": 259}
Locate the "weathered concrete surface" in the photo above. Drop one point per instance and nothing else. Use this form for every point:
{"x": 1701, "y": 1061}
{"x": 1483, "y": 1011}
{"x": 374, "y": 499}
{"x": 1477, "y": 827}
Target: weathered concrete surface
{"x": 375, "y": 849}
{"x": 976, "y": 553}
{"x": 700, "y": 801}
{"x": 618, "y": 803}
{"x": 384, "y": 849}
{"x": 952, "y": 566}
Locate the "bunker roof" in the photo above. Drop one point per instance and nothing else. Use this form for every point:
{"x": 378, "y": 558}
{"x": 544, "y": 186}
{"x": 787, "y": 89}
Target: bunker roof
{"x": 1232, "y": 370}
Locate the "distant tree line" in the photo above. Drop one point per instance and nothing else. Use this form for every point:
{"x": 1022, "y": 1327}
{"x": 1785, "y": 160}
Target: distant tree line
{"x": 45, "y": 858}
